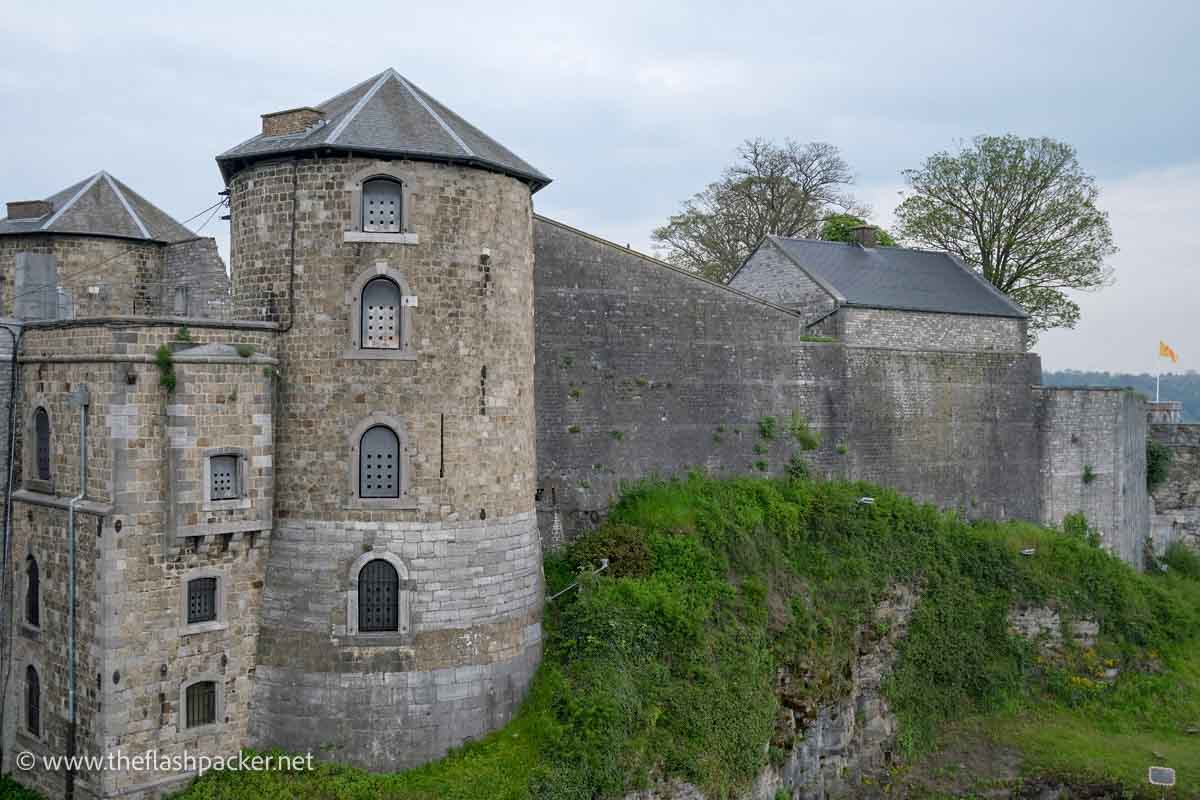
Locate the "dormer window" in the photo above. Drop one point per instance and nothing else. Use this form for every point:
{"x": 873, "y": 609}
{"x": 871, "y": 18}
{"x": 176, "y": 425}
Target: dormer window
{"x": 382, "y": 206}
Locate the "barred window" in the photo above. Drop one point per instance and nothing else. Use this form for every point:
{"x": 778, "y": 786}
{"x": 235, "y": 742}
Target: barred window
{"x": 41, "y": 425}
{"x": 33, "y": 600}
{"x": 201, "y": 701}
{"x": 378, "y": 597}
{"x": 379, "y": 463}
{"x": 380, "y": 315}
{"x": 201, "y": 600}
{"x": 226, "y": 483}
{"x": 382, "y": 206}
{"x": 33, "y": 701}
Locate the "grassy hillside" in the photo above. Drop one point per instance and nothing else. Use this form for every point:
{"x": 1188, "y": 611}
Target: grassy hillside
{"x": 1183, "y": 387}
{"x": 664, "y": 664}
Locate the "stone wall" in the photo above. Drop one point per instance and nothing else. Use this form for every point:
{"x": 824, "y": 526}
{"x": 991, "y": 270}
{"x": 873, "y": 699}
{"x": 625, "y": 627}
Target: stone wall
{"x": 194, "y": 282}
{"x": 774, "y": 277}
{"x": 923, "y": 330}
{"x": 644, "y": 369}
{"x": 1177, "y": 500}
{"x": 1093, "y": 444}
{"x": 136, "y": 652}
{"x": 102, "y": 276}
{"x": 459, "y": 394}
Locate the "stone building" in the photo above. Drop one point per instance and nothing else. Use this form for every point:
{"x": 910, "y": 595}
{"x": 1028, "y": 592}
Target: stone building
{"x": 303, "y": 506}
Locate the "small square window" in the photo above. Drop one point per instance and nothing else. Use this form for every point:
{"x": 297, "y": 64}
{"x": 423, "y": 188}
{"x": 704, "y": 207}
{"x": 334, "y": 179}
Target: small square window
{"x": 202, "y": 600}
{"x": 201, "y": 704}
{"x": 226, "y": 483}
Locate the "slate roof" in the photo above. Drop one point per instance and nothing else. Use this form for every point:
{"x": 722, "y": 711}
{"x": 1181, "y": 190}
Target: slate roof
{"x": 897, "y": 278}
{"x": 388, "y": 115}
{"x": 102, "y": 206}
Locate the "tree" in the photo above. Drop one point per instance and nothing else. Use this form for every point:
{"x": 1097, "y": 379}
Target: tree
{"x": 837, "y": 227}
{"x": 1020, "y": 211}
{"x": 786, "y": 190}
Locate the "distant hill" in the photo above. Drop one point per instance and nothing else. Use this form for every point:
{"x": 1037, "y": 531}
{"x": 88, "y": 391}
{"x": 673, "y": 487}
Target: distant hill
{"x": 1184, "y": 387}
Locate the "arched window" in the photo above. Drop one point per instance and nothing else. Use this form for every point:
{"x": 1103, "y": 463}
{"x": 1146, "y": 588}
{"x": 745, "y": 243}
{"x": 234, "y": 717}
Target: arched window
{"x": 380, "y": 315}
{"x": 33, "y": 701}
{"x": 41, "y": 429}
{"x": 378, "y": 597}
{"x": 382, "y": 206}
{"x": 379, "y": 463}
{"x": 33, "y": 603}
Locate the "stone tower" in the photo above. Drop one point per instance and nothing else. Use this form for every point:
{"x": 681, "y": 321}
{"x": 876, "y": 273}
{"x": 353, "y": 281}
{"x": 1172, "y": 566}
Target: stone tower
{"x": 392, "y": 243}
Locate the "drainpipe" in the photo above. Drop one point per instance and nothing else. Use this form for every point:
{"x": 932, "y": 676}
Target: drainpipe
{"x": 10, "y": 470}
{"x": 78, "y": 399}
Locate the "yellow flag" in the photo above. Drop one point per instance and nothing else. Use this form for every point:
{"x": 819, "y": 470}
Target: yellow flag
{"x": 1165, "y": 351}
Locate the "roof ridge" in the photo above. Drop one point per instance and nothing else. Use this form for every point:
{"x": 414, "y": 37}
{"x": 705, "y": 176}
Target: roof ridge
{"x": 128, "y": 208}
{"x": 358, "y": 106}
{"x": 837, "y": 295}
{"x": 59, "y": 212}
{"x": 446, "y": 127}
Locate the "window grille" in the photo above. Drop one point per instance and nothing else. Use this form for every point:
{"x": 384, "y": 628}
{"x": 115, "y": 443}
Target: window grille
{"x": 378, "y": 597}
{"x": 379, "y": 463}
{"x": 41, "y": 424}
{"x": 225, "y": 480}
{"x": 202, "y": 600}
{"x": 33, "y": 608}
{"x": 33, "y": 701}
{"x": 201, "y": 703}
{"x": 382, "y": 206}
{"x": 381, "y": 315}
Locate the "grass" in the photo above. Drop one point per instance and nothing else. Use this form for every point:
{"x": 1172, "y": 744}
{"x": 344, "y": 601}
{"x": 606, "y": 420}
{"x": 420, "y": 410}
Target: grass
{"x": 664, "y": 665}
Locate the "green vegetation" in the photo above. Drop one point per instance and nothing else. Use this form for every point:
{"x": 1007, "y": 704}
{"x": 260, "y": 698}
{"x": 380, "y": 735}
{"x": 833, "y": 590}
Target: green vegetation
{"x": 573, "y": 429}
{"x": 815, "y": 338}
{"x": 11, "y": 790}
{"x": 575, "y": 393}
{"x": 1158, "y": 463}
{"x": 1089, "y": 474}
{"x": 183, "y": 334}
{"x": 617, "y": 435}
{"x": 166, "y": 368}
{"x": 665, "y": 663}
{"x": 767, "y": 427}
{"x": 245, "y": 350}
{"x": 837, "y": 227}
{"x": 761, "y": 466}
{"x": 806, "y": 437}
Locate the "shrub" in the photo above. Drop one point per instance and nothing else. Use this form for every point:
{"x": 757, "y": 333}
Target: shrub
{"x": 1158, "y": 464}
{"x": 183, "y": 334}
{"x": 807, "y": 438}
{"x": 767, "y": 427}
{"x": 1183, "y": 560}
{"x": 166, "y": 368}
{"x": 1089, "y": 474}
{"x": 245, "y": 350}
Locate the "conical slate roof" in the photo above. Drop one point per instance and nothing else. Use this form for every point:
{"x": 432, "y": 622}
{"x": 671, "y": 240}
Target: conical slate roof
{"x": 102, "y": 206}
{"x": 388, "y": 115}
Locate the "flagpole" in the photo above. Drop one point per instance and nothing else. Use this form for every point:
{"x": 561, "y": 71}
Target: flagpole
{"x": 1157, "y": 382}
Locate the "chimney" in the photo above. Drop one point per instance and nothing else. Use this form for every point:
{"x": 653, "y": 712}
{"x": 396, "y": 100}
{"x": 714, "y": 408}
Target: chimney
{"x": 294, "y": 120}
{"x": 864, "y": 235}
{"x": 28, "y": 209}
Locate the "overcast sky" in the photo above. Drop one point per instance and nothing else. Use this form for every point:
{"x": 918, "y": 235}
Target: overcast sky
{"x": 632, "y": 107}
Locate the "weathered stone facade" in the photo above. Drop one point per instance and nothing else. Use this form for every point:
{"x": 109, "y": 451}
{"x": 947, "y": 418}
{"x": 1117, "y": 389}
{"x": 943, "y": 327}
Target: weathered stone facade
{"x": 1176, "y": 513}
{"x": 1094, "y": 463}
{"x": 924, "y": 330}
{"x": 462, "y": 398}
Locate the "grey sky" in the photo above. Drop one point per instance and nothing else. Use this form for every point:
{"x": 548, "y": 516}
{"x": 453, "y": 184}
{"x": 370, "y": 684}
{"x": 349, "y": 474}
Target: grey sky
{"x": 631, "y": 107}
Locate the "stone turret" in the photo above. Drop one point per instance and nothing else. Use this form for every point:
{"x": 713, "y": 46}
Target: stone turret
{"x": 392, "y": 241}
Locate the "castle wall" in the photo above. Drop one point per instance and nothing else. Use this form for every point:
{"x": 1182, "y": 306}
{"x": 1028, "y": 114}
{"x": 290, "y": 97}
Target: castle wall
{"x": 463, "y": 534}
{"x": 136, "y": 652}
{"x": 922, "y": 330}
{"x": 1094, "y": 462}
{"x": 1176, "y": 515}
{"x": 643, "y": 369}
{"x": 102, "y": 276}
{"x": 194, "y": 282}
